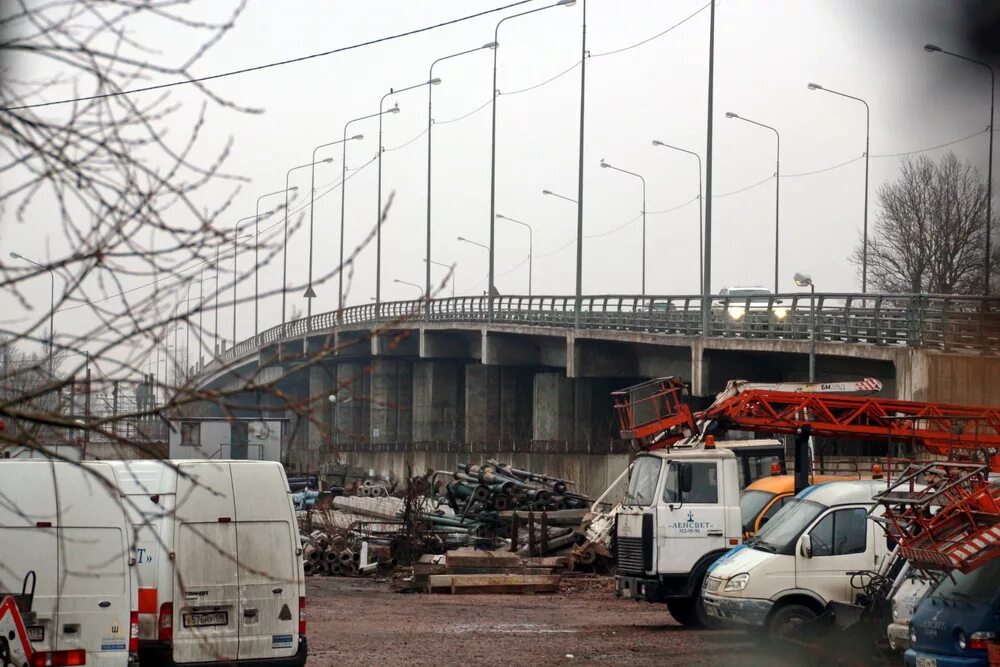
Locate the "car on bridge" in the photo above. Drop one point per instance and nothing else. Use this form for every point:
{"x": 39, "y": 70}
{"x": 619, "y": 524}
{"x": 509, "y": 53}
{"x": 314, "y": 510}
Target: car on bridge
{"x": 740, "y": 300}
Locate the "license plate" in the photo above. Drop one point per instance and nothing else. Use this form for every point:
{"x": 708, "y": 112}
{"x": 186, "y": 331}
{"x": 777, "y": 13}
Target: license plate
{"x": 200, "y": 619}
{"x": 923, "y": 661}
{"x": 36, "y": 633}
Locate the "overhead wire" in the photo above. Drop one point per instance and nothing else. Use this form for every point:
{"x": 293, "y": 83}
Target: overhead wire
{"x": 279, "y": 63}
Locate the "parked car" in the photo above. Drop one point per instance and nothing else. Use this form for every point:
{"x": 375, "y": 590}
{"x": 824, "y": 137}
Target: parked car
{"x": 799, "y": 561}
{"x": 64, "y": 522}
{"x": 752, "y": 299}
{"x": 910, "y": 588}
{"x": 955, "y": 623}
{"x": 218, "y": 560}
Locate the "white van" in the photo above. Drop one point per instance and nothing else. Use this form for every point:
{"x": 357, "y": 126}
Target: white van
{"x": 218, "y": 561}
{"x": 65, "y": 522}
{"x": 801, "y": 560}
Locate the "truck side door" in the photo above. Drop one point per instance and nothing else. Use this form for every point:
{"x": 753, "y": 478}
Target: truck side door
{"x": 693, "y": 522}
{"x": 839, "y": 542}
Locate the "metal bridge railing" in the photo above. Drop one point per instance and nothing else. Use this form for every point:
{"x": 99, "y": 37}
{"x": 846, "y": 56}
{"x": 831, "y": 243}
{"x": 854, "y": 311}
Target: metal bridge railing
{"x": 948, "y": 323}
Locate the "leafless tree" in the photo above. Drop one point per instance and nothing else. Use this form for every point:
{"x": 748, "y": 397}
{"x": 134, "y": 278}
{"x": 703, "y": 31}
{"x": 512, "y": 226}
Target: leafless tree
{"x": 930, "y": 230}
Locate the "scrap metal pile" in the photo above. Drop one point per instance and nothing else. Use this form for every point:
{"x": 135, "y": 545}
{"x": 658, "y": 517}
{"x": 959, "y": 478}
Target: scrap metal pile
{"x": 342, "y": 555}
{"x": 497, "y": 487}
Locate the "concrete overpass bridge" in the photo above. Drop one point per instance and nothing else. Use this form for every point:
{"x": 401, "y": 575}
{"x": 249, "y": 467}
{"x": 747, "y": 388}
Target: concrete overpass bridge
{"x": 431, "y": 383}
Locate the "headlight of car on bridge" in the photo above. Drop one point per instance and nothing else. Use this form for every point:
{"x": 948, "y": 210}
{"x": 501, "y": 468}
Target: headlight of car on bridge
{"x": 736, "y": 312}
{"x": 780, "y": 312}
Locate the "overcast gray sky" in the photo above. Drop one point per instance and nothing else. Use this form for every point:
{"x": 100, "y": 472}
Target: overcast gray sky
{"x": 766, "y": 54}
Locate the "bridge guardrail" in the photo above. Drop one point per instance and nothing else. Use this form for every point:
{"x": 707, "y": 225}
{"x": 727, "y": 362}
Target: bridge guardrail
{"x": 945, "y": 322}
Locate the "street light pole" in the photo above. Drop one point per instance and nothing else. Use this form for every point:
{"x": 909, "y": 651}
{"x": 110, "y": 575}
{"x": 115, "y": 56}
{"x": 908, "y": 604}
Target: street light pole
{"x": 419, "y": 289}
{"x": 217, "y": 350}
{"x": 706, "y": 276}
{"x": 378, "y": 214}
{"x": 805, "y": 280}
{"x": 931, "y": 48}
{"x": 777, "y": 187}
{"x": 310, "y": 293}
{"x": 454, "y": 276}
{"x": 430, "y": 124}
{"x": 343, "y": 191}
{"x": 493, "y": 145}
{"x": 632, "y": 173}
{"x": 256, "y": 256}
{"x": 701, "y": 242}
{"x": 530, "y": 245}
{"x": 284, "y": 247}
{"x": 52, "y": 304}
{"x": 864, "y": 232}
{"x": 236, "y": 236}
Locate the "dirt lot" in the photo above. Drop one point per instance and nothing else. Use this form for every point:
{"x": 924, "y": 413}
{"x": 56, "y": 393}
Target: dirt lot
{"x": 358, "y": 621}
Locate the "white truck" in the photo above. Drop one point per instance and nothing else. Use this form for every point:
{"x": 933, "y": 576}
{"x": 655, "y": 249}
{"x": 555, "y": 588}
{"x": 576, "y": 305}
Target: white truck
{"x": 218, "y": 563}
{"x": 680, "y": 514}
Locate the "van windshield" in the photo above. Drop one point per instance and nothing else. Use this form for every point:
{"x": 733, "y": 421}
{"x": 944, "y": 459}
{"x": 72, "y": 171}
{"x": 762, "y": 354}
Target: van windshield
{"x": 751, "y": 503}
{"x": 780, "y": 533}
{"x": 980, "y": 585}
{"x": 642, "y": 483}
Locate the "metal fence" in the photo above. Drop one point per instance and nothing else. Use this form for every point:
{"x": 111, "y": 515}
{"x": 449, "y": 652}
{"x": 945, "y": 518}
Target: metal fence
{"x": 948, "y": 323}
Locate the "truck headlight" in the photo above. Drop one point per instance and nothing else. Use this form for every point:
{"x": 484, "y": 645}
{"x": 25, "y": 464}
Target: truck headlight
{"x": 736, "y": 312}
{"x": 780, "y": 312}
{"x": 913, "y": 636}
{"x": 737, "y": 583}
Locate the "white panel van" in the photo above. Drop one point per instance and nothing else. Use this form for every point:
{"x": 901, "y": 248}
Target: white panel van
{"x": 218, "y": 561}
{"x": 65, "y": 522}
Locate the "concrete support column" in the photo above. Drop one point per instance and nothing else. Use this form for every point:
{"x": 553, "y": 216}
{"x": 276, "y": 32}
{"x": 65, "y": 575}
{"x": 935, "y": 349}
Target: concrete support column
{"x": 391, "y": 401}
{"x": 437, "y": 402}
{"x": 490, "y": 406}
{"x": 699, "y": 370}
{"x": 319, "y": 429}
{"x": 563, "y": 410}
{"x": 351, "y": 407}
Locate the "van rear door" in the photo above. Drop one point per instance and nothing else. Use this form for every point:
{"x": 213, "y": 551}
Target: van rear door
{"x": 267, "y": 539}
{"x": 206, "y": 591}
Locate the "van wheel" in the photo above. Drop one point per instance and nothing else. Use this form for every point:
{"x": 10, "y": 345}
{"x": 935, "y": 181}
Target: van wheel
{"x": 786, "y": 619}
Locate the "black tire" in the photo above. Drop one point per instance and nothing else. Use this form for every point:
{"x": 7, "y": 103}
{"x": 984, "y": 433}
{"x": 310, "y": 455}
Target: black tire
{"x": 690, "y": 612}
{"x": 785, "y": 619}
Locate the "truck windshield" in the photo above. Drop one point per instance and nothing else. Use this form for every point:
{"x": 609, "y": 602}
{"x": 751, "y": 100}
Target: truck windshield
{"x": 642, "y": 484}
{"x": 751, "y": 503}
{"x": 780, "y": 533}
{"x": 980, "y": 585}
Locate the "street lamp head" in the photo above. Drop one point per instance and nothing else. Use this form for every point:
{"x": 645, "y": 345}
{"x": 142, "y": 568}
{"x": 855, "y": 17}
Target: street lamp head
{"x": 814, "y": 86}
{"x": 604, "y": 164}
{"x": 462, "y": 238}
{"x": 490, "y": 45}
{"x": 546, "y": 192}
{"x": 730, "y": 114}
{"x": 501, "y": 217}
{"x": 932, "y": 48}
{"x": 15, "y": 255}
{"x": 328, "y": 160}
{"x": 803, "y": 279}
{"x": 358, "y": 137}
{"x": 293, "y": 188}
{"x": 435, "y": 81}
{"x": 565, "y": 3}
{"x": 657, "y": 142}
{"x": 394, "y": 109}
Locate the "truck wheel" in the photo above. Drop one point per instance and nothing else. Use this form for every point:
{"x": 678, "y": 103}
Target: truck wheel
{"x": 690, "y": 612}
{"x": 786, "y": 619}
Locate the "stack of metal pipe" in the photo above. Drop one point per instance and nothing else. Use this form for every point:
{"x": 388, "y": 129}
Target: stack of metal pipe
{"x": 498, "y": 487}
{"x": 335, "y": 555}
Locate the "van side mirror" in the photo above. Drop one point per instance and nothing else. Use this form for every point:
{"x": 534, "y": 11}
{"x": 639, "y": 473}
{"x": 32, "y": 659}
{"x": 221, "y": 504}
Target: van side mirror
{"x": 686, "y": 477}
{"x": 805, "y": 546}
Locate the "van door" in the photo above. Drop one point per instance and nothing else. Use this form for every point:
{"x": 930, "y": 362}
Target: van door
{"x": 267, "y": 539}
{"x": 206, "y": 587}
{"x": 694, "y": 521}
{"x": 840, "y": 543}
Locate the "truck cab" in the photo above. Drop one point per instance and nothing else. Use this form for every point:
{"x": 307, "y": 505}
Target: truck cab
{"x": 681, "y": 512}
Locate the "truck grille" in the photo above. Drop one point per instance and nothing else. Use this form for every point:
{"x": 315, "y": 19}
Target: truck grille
{"x": 630, "y": 554}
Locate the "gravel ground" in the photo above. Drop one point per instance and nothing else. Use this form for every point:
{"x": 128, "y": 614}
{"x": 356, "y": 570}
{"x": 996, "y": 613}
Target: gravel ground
{"x": 361, "y": 622}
